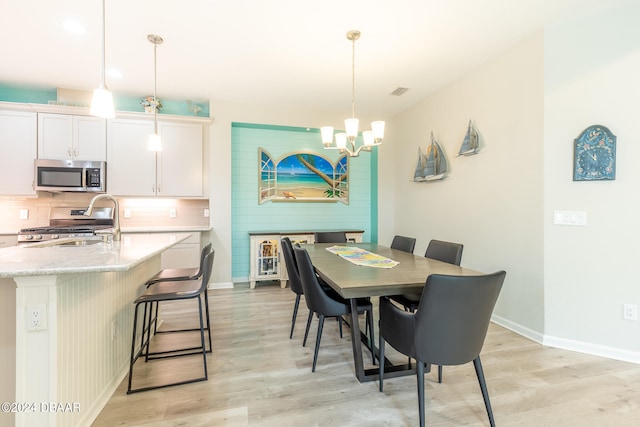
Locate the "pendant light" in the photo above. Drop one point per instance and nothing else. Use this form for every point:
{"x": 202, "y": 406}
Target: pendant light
{"x": 371, "y": 137}
{"x": 155, "y": 144}
{"x": 102, "y": 101}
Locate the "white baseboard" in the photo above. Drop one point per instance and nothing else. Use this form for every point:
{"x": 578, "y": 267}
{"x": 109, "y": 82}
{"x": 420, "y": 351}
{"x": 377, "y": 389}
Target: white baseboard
{"x": 569, "y": 344}
{"x": 518, "y": 329}
{"x": 221, "y": 285}
{"x": 593, "y": 349}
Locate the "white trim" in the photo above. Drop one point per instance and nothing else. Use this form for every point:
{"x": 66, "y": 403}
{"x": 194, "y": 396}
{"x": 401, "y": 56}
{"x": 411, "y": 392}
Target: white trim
{"x": 518, "y": 329}
{"x": 593, "y": 349}
{"x": 569, "y": 344}
{"x": 221, "y": 285}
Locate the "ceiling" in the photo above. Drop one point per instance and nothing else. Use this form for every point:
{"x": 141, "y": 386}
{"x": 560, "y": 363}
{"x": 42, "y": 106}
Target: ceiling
{"x": 277, "y": 52}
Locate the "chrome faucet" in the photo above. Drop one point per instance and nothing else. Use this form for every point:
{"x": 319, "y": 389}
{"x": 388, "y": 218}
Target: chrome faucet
{"x": 115, "y": 231}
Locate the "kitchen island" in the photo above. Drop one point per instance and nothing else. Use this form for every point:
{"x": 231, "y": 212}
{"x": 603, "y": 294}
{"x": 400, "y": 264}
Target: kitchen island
{"x": 67, "y": 313}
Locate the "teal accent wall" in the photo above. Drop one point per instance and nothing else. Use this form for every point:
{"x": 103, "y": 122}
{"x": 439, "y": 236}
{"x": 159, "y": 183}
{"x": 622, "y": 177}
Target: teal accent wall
{"x": 248, "y": 215}
{"x": 36, "y": 95}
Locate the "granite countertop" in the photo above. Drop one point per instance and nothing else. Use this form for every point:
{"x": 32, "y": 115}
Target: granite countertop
{"x": 41, "y": 260}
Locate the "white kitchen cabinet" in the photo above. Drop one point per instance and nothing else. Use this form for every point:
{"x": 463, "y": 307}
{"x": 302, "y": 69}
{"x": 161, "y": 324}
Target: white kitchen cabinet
{"x": 185, "y": 254}
{"x": 132, "y": 170}
{"x": 64, "y": 136}
{"x": 18, "y": 142}
{"x": 180, "y": 161}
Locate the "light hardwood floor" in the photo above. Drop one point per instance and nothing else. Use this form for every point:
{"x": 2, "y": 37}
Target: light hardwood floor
{"x": 258, "y": 377}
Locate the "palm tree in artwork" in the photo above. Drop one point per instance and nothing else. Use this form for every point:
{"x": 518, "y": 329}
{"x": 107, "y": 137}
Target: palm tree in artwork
{"x": 309, "y": 162}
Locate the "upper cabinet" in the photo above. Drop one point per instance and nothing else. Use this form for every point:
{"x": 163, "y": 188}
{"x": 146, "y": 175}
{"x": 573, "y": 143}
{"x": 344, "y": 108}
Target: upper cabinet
{"x": 64, "y": 136}
{"x": 180, "y": 161}
{"x": 18, "y": 133}
{"x": 176, "y": 171}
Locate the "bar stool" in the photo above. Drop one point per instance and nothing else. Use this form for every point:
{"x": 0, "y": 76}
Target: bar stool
{"x": 180, "y": 274}
{"x": 170, "y": 291}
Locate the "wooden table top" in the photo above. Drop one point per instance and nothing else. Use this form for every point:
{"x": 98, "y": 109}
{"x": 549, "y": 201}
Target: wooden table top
{"x": 353, "y": 281}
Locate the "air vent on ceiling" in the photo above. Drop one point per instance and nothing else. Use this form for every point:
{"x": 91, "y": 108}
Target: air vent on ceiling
{"x": 399, "y": 91}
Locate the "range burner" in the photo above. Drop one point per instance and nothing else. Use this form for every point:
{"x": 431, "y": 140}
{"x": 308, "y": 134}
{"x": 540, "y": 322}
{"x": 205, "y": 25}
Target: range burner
{"x": 68, "y": 222}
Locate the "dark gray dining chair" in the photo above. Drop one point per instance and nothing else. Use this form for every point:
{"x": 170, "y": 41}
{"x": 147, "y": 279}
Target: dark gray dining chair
{"x": 296, "y": 285}
{"x": 439, "y": 250}
{"x": 449, "y": 327}
{"x": 294, "y": 277}
{"x": 326, "y": 304}
{"x": 403, "y": 243}
{"x": 330, "y": 237}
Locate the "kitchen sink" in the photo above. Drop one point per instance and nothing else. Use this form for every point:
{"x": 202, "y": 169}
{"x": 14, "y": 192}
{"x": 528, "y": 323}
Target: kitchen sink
{"x": 73, "y": 242}
{"x": 80, "y": 242}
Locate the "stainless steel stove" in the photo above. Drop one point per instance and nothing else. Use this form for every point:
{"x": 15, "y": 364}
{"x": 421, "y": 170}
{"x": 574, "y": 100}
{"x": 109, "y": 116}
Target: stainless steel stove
{"x": 68, "y": 222}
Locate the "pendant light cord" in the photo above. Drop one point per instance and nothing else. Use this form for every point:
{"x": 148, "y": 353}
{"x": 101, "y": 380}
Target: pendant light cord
{"x": 103, "y": 44}
{"x": 353, "y": 79}
{"x": 155, "y": 99}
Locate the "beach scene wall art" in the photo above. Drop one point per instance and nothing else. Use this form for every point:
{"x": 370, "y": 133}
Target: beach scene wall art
{"x": 303, "y": 177}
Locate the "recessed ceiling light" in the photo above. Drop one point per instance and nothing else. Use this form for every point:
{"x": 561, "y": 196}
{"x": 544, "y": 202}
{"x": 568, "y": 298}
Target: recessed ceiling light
{"x": 73, "y": 27}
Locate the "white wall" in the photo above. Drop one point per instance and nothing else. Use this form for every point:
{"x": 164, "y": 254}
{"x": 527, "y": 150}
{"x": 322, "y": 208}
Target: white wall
{"x": 565, "y": 285}
{"x": 491, "y": 202}
{"x": 592, "y": 74}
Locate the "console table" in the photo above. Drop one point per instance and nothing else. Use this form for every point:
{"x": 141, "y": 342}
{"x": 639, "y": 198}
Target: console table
{"x": 266, "y": 261}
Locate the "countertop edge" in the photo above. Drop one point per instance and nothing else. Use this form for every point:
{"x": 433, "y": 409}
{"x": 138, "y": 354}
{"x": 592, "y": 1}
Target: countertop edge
{"x": 119, "y": 266}
{"x": 177, "y": 229}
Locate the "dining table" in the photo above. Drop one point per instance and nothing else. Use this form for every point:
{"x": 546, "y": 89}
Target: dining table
{"x": 402, "y": 273}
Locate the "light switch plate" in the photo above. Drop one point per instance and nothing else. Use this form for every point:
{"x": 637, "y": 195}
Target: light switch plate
{"x": 127, "y": 213}
{"x": 570, "y": 218}
{"x": 24, "y": 213}
{"x": 172, "y": 213}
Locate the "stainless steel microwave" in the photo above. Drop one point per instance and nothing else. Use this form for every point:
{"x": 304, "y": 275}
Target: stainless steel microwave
{"x": 70, "y": 175}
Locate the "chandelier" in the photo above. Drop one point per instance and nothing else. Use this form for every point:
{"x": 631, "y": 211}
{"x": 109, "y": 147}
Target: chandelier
{"x": 370, "y": 138}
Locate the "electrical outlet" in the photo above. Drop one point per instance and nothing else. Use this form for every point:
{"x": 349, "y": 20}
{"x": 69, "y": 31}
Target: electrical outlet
{"x": 37, "y": 317}
{"x": 206, "y": 213}
{"x": 127, "y": 213}
{"x": 630, "y": 312}
{"x": 24, "y": 213}
{"x": 172, "y": 213}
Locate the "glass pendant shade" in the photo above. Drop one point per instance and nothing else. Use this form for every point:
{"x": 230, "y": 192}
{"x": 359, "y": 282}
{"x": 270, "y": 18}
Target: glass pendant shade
{"x": 351, "y": 127}
{"x": 102, "y": 103}
{"x": 155, "y": 143}
{"x": 327, "y": 135}
{"x": 341, "y": 140}
{"x": 378, "y": 130}
{"x": 367, "y": 137}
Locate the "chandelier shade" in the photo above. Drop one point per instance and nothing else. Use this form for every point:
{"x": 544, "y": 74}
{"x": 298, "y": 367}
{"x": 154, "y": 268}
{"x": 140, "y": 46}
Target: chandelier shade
{"x": 346, "y": 142}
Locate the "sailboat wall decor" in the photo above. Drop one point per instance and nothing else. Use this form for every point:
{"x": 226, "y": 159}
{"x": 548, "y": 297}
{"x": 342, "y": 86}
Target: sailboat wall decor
{"x": 432, "y": 164}
{"x": 469, "y": 145}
